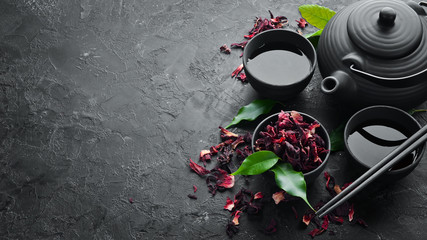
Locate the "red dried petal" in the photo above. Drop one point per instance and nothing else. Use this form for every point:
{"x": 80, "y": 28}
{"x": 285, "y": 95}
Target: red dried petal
{"x": 201, "y": 171}
{"x": 227, "y": 134}
{"x": 236, "y": 217}
{"x": 351, "y": 213}
{"x": 302, "y": 23}
{"x": 316, "y": 232}
{"x": 229, "y": 205}
{"x": 225, "y": 180}
{"x": 242, "y": 77}
{"x": 325, "y": 223}
{"x": 213, "y": 150}
{"x": 237, "y": 71}
{"x": 258, "y": 195}
{"x": 307, "y": 218}
{"x": 131, "y": 200}
{"x": 241, "y": 45}
{"x": 297, "y": 117}
{"x": 194, "y": 188}
{"x": 238, "y": 141}
{"x": 278, "y": 196}
{"x": 225, "y": 49}
{"x": 337, "y": 219}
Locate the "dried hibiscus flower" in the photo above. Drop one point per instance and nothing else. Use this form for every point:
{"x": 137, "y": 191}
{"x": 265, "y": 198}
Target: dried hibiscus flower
{"x": 225, "y": 49}
{"x": 302, "y": 23}
{"x": 337, "y": 215}
{"x": 201, "y": 171}
{"x": 294, "y": 140}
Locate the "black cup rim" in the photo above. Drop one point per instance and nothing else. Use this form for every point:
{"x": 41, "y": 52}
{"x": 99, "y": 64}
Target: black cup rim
{"x": 305, "y": 116}
{"x": 276, "y": 31}
{"x": 406, "y": 169}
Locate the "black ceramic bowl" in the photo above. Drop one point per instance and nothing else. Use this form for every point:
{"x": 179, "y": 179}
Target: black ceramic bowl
{"x": 293, "y": 75}
{"x": 369, "y": 123}
{"x": 321, "y": 131}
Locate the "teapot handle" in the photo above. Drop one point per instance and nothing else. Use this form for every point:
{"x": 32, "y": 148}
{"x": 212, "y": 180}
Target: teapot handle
{"x": 398, "y": 82}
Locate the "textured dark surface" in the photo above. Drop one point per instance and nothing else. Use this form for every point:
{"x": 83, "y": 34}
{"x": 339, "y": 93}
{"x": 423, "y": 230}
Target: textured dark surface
{"x": 102, "y": 101}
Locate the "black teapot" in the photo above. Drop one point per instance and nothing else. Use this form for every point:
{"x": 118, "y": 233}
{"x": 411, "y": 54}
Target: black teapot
{"x": 375, "y": 52}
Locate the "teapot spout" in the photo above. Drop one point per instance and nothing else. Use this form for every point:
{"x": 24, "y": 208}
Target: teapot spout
{"x": 339, "y": 84}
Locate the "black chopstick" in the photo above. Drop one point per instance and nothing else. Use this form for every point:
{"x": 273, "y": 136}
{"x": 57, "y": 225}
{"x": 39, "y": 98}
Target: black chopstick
{"x": 377, "y": 170}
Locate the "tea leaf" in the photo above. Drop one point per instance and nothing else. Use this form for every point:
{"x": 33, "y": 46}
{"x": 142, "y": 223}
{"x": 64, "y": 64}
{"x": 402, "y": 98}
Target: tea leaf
{"x": 257, "y": 163}
{"x": 337, "y": 138}
{"x": 254, "y": 109}
{"x": 291, "y": 181}
{"x": 316, "y": 15}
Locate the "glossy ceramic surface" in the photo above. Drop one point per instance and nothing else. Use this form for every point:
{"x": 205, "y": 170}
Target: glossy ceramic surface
{"x": 375, "y": 52}
{"x": 392, "y": 115}
{"x": 283, "y": 37}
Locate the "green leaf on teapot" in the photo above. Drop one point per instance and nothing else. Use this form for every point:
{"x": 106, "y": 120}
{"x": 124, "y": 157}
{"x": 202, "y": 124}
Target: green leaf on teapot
{"x": 316, "y": 15}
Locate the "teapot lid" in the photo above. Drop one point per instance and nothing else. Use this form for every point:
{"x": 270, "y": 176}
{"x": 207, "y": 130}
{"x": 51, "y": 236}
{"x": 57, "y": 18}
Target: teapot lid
{"x": 385, "y": 29}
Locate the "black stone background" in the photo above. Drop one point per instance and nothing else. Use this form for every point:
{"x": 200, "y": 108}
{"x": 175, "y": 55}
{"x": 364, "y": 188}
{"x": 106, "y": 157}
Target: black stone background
{"x": 102, "y": 101}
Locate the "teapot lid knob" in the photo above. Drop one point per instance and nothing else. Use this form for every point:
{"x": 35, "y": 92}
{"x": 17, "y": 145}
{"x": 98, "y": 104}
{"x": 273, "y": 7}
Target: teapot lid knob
{"x": 387, "y": 16}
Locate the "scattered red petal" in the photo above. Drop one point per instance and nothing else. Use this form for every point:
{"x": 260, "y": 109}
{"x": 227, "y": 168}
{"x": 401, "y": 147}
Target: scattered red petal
{"x": 225, "y": 49}
{"x": 237, "y": 71}
{"x": 225, "y": 134}
{"x": 302, "y": 23}
{"x": 351, "y": 213}
{"x": 236, "y": 217}
{"x": 278, "y": 196}
{"x": 242, "y": 77}
{"x": 307, "y": 218}
{"x": 194, "y": 188}
{"x": 316, "y": 232}
{"x": 337, "y": 219}
{"x": 131, "y": 200}
{"x": 258, "y": 195}
{"x": 229, "y": 205}
{"x": 192, "y": 196}
{"x": 201, "y": 171}
{"x": 224, "y": 179}
{"x": 325, "y": 223}
{"x": 241, "y": 45}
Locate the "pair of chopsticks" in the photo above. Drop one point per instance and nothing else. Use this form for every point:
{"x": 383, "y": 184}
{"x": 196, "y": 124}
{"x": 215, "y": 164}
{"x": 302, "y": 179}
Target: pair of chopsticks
{"x": 408, "y": 146}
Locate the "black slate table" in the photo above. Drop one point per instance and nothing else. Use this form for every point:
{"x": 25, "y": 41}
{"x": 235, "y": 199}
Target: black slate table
{"x": 102, "y": 104}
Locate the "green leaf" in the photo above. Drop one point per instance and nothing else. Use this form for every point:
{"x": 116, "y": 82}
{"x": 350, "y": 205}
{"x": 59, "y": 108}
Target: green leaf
{"x": 316, "y": 15}
{"x": 315, "y": 34}
{"x": 337, "y": 138}
{"x": 412, "y": 111}
{"x": 254, "y": 109}
{"x": 291, "y": 181}
{"x": 257, "y": 163}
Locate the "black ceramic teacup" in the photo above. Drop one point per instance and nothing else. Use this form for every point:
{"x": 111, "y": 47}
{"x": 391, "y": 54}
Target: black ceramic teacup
{"x": 310, "y": 176}
{"x": 373, "y": 132}
{"x": 279, "y": 63}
